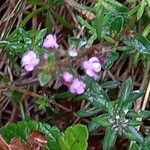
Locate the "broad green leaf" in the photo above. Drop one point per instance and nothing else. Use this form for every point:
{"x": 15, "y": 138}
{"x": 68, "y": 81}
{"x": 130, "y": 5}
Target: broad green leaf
{"x": 75, "y": 137}
{"x": 112, "y": 57}
{"x": 22, "y": 128}
{"x": 141, "y": 9}
{"x": 109, "y": 139}
{"x": 110, "y": 85}
{"x": 44, "y": 78}
{"x": 88, "y": 112}
{"x": 133, "y": 134}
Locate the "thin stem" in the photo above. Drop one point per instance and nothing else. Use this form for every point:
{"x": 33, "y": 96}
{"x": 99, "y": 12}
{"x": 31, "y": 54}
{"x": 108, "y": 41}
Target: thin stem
{"x": 22, "y": 110}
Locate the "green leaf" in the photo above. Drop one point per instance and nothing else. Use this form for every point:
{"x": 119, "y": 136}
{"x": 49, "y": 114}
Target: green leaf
{"x": 16, "y": 96}
{"x": 140, "y": 43}
{"x": 77, "y": 42}
{"x": 125, "y": 90}
{"x": 134, "y": 147}
{"x": 133, "y": 134}
{"x": 116, "y": 24}
{"x": 22, "y": 128}
{"x": 24, "y": 35}
{"x": 142, "y": 114}
{"x": 141, "y": 9}
{"x": 63, "y": 95}
{"x": 88, "y": 112}
{"x": 134, "y": 123}
{"x": 84, "y": 23}
{"x": 42, "y": 103}
{"x": 35, "y": 2}
{"x": 93, "y": 126}
{"x": 44, "y": 78}
{"x": 127, "y": 104}
{"x": 48, "y": 23}
{"x": 110, "y": 108}
{"x": 109, "y": 139}
{"x": 98, "y": 22}
{"x": 112, "y": 57}
{"x": 110, "y": 85}
{"x": 92, "y": 39}
{"x": 39, "y": 37}
{"x": 102, "y": 120}
{"x": 75, "y": 137}
{"x": 96, "y": 96}
{"x": 135, "y": 95}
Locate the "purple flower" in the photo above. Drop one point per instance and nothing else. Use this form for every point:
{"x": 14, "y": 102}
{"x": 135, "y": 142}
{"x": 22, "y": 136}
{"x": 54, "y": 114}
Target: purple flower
{"x": 29, "y": 60}
{"x": 77, "y": 86}
{"x": 50, "y": 41}
{"x": 92, "y": 67}
{"x": 67, "y": 77}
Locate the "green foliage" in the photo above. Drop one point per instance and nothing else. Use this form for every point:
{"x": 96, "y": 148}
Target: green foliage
{"x": 22, "y": 41}
{"x": 42, "y": 103}
{"x": 22, "y": 128}
{"x": 77, "y": 42}
{"x": 116, "y": 116}
{"x": 74, "y": 137}
{"x": 109, "y": 139}
{"x": 112, "y": 57}
{"x": 110, "y": 85}
{"x": 44, "y": 78}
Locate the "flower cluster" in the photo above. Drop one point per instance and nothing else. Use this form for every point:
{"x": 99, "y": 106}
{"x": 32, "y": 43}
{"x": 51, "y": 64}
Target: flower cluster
{"x": 92, "y": 67}
{"x": 29, "y": 60}
{"x": 75, "y": 85}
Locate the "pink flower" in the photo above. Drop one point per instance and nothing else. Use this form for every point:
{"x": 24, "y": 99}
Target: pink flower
{"x": 67, "y": 77}
{"x": 77, "y": 86}
{"x": 50, "y": 41}
{"x": 29, "y": 60}
{"x": 92, "y": 67}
